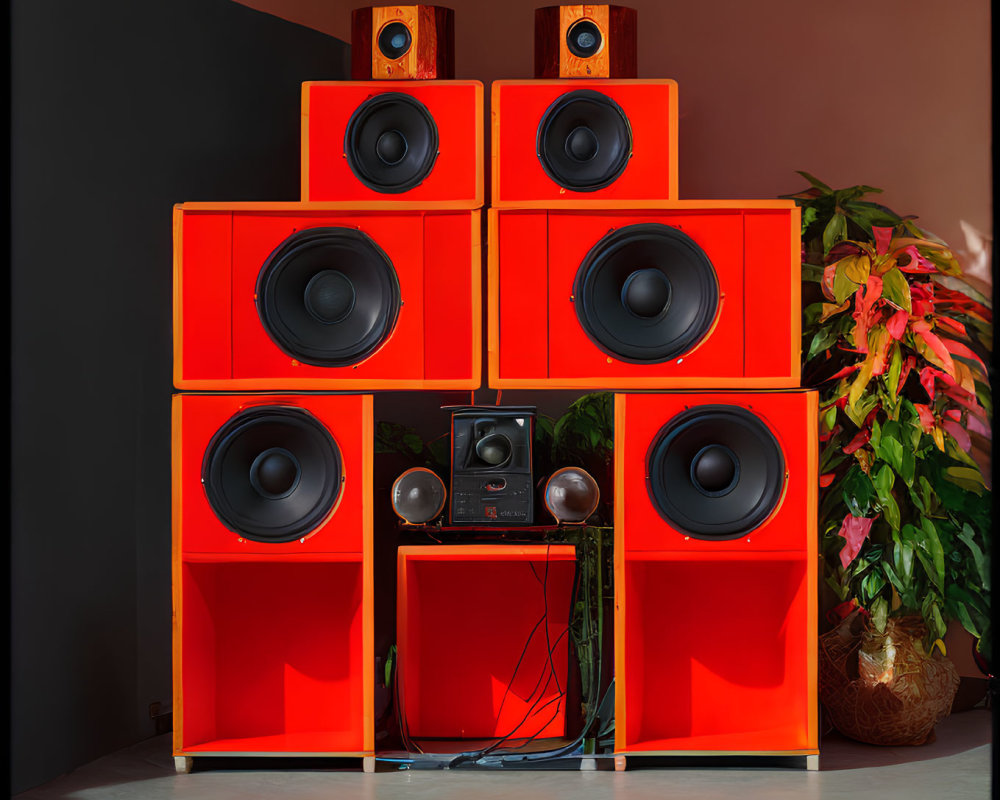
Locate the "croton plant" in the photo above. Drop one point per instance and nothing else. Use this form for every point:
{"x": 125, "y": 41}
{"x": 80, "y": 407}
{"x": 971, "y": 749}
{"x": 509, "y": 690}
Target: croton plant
{"x": 897, "y": 344}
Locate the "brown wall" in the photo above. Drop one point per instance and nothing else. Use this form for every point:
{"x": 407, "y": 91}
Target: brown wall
{"x": 892, "y": 93}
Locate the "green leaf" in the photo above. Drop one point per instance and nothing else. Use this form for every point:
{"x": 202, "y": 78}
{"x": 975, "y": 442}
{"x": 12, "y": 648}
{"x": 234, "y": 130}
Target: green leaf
{"x": 896, "y": 290}
{"x": 895, "y": 368}
{"x": 963, "y": 616}
{"x": 857, "y": 491}
{"x": 858, "y": 413}
{"x": 935, "y": 623}
{"x": 873, "y": 583}
{"x": 933, "y": 546}
{"x": 968, "y": 537}
{"x": 890, "y": 449}
{"x": 883, "y": 482}
{"x": 965, "y": 477}
{"x": 823, "y": 340}
{"x": 843, "y": 285}
{"x": 413, "y": 442}
{"x": 815, "y": 181}
{"x": 880, "y": 613}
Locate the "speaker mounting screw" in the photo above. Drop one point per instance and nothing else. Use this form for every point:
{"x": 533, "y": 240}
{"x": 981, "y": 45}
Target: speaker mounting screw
{"x": 302, "y": 540}
{"x": 572, "y": 298}
{"x": 295, "y": 363}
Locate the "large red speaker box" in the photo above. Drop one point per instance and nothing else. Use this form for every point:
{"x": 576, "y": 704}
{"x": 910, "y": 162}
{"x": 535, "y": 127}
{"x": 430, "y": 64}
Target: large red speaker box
{"x": 693, "y": 294}
{"x": 272, "y": 566}
{"x": 289, "y": 296}
{"x": 393, "y": 144}
{"x": 715, "y": 527}
{"x": 583, "y": 143}
{"x": 269, "y": 475}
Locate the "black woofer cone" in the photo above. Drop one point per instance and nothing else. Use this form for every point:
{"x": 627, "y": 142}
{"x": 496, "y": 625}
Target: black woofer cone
{"x": 494, "y": 449}
{"x": 584, "y": 141}
{"x": 272, "y": 473}
{"x": 646, "y": 293}
{"x": 328, "y": 296}
{"x": 391, "y": 142}
{"x": 584, "y": 39}
{"x": 715, "y": 472}
{"x": 394, "y": 40}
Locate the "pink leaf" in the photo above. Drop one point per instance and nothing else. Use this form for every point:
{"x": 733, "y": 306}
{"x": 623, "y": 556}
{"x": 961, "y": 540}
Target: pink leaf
{"x": 960, "y": 434}
{"x": 897, "y": 324}
{"x": 826, "y": 480}
{"x": 959, "y": 349}
{"x": 927, "y": 381}
{"x": 854, "y": 530}
{"x": 917, "y": 262}
{"x": 882, "y": 238}
{"x": 926, "y": 417}
{"x": 954, "y": 324}
{"x": 923, "y": 330}
{"x": 858, "y": 441}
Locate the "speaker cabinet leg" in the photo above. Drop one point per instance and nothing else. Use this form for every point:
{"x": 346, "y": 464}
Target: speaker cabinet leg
{"x": 368, "y": 764}
{"x": 183, "y": 764}
{"x": 619, "y": 763}
{"x": 588, "y": 764}
{"x": 812, "y": 763}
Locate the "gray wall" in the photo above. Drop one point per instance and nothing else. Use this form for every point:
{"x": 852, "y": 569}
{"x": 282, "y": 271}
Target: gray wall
{"x": 119, "y": 110}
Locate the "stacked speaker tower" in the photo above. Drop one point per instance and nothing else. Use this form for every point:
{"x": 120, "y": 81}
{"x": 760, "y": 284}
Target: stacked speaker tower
{"x": 286, "y": 316}
{"x": 601, "y": 278}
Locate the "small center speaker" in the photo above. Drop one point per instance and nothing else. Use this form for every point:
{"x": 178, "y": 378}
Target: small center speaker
{"x": 585, "y": 41}
{"x": 491, "y": 467}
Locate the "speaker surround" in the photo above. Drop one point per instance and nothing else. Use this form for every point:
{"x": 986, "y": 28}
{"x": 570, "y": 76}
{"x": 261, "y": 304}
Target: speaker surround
{"x": 646, "y": 293}
{"x": 584, "y": 141}
{"x": 715, "y": 472}
{"x": 328, "y": 296}
{"x": 391, "y": 143}
{"x": 272, "y": 473}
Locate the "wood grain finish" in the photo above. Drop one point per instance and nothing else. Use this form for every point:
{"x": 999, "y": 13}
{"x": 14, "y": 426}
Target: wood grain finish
{"x": 431, "y": 55}
{"x": 616, "y": 58}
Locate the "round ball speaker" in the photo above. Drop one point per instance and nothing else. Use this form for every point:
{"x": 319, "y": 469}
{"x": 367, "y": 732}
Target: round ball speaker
{"x": 715, "y": 472}
{"x": 272, "y": 473}
{"x": 328, "y": 296}
{"x": 646, "y": 293}
{"x": 418, "y": 495}
{"x": 394, "y": 40}
{"x": 391, "y": 142}
{"x": 584, "y": 140}
{"x": 571, "y": 495}
{"x": 584, "y": 39}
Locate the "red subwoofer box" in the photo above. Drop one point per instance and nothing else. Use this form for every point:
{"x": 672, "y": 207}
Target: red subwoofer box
{"x": 289, "y": 296}
{"x": 692, "y": 294}
{"x": 272, "y": 575}
{"x": 715, "y": 531}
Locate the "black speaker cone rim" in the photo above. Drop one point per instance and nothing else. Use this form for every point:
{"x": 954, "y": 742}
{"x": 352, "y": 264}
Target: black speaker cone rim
{"x": 715, "y": 504}
{"x": 328, "y": 297}
{"x": 391, "y": 142}
{"x": 646, "y": 293}
{"x": 584, "y": 38}
{"x": 584, "y": 141}
{"x": 394, "y": 40}
{"x": 272, "y": 473}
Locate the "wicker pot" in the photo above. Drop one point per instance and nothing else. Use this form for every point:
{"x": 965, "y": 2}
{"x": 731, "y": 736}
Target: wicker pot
{"x": 883, "y": 688}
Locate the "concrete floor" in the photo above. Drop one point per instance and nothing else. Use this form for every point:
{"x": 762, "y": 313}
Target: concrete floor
{"x": 956, "y": 766}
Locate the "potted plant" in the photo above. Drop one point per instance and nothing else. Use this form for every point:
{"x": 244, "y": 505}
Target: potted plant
{"x": 896, "y": 343}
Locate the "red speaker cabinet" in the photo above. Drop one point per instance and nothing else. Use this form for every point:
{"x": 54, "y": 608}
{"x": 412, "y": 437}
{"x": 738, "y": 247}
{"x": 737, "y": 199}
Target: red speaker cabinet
{"x": 582, "y": 143}
{"x": 475, "y": 626}
{"x": 692, "y": 294}
{"x": 393, "y": 144}
{"x": 715, "y": 529}
{"x": 585, "y": 41}
{"x": 290, "y": 296}
{"x": 395, "y": 42}
{"x": 272, "y": 575}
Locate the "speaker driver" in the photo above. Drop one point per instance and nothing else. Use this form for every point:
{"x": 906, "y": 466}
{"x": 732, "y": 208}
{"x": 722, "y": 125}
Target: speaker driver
{"x": 571, "y": 495}
{"x": 715, "y": 472}
{"x": 646, "y": 293}
{"x": 418, "y": 495}
{"x": 272, "y": 473}
{"x": 391, "y": 142}
{"x": 328, "y": 296}
{"x": 394, "y": 40}
{"x": 584, "y": 39}
{"x": 584, "y": 141}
